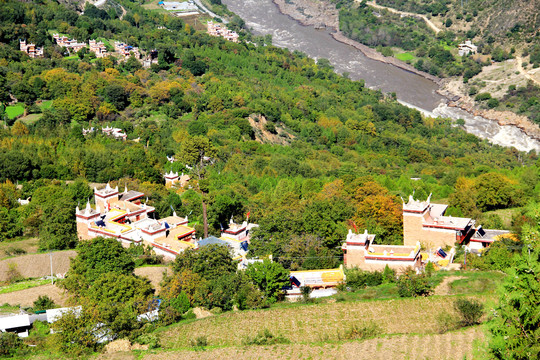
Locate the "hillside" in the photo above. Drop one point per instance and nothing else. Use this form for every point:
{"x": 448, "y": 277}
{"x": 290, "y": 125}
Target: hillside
{"x": 496, "y": 18}
{"x": 263, "y": 133}
{"x": 397, "y": 327}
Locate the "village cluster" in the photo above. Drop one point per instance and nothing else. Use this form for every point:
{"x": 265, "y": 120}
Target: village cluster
{"x": 426, "y": 233}
{"x": 73, "y": 46}
{"x": 216, "y": 29}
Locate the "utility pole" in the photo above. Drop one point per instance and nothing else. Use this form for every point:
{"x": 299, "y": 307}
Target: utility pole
{"x": 52, "y": 277}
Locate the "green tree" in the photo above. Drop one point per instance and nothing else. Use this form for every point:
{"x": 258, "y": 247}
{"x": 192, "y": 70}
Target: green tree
{"x": 198, "y": 152}
{"x": 76, "y": 332}
{"x": 181, "y": 303}
{"x": 10, "y": 344}
{"x": 493, "y": 191}
{"x": 10, "y": 226}
{"x": 210, "y": 261}
{"x": 270, "y": 277}
{"x": 515, "y": 327}
{"x": 58, "y": 229}
{"x": 119, "y": 288}
{"x": 94, "y": 258}
{"x": 413, "y": 285}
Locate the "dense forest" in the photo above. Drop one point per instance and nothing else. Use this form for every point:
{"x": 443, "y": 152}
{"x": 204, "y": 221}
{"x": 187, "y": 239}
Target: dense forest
{"x": 305, "y": 150}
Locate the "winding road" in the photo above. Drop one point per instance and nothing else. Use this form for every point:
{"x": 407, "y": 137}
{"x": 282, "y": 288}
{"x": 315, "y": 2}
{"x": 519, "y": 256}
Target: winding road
{"x": 519, "y": 66}
{"x": 404, "y": 13}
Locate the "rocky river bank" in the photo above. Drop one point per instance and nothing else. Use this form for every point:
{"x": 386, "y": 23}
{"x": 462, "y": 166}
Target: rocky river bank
{"x": 324, "y": 15}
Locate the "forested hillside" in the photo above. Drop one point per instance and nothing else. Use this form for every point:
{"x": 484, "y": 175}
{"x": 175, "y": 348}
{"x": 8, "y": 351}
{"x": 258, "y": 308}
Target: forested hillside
{"x": 504, "y": 33}
{"x": 350, "y": 151}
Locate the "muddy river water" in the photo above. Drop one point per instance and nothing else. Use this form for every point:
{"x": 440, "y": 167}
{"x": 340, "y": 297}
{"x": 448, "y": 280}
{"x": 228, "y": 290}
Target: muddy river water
{"x": 263, "y": 17}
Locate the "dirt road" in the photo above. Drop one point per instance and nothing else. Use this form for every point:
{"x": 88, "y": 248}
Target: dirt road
{"x": 429, "y": 23}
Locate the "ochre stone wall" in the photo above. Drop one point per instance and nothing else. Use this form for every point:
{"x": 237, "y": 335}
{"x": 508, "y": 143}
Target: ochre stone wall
{"x": 412, "y": 229}
{"x": 82, "y": 231}
{"x": 413, "y": 232}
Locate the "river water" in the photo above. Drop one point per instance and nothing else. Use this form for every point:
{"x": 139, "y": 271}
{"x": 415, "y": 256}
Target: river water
{"x": 263, "y": 17}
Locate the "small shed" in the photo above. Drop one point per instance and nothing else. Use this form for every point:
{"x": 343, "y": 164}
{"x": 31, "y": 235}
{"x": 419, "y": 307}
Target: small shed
{"x": 19, "y": 324}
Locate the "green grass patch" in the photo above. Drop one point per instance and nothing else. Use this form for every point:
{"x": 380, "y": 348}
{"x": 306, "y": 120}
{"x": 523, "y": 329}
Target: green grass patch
{"x": 72, "y": 57}
{"x": 8, "y": 309}
{"x": 46, "y": 104}
{"x": 383, "y": 291}
{"x": 477, "y": 282}
{"x": 30, "y": 119}
{"x": 22, "y": 285}
{"x": 405, "y": 56}
{"x": 13, "y": 111}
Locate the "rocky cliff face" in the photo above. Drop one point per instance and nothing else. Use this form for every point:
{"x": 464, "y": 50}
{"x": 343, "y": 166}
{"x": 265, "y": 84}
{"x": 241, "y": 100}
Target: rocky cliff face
{"x": 316, "y": 13}
{"x": 501, "y": 117}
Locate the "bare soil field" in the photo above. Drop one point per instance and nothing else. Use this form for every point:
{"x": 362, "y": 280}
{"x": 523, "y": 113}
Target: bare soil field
{"x": 314, "y": 323}
{"x": 28, "y": 245}
{"x": 453, "y": 345}
{"x": 38, "y": 265}
{"x": 28, "y": 296}
{"x": 154, "y": 274}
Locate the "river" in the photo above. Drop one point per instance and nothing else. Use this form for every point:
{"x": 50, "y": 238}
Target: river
{"x": 263, "y": 17}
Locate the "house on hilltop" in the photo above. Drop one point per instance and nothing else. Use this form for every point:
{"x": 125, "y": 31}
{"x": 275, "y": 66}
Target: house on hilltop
{"x": 98, "y": 48}
{"x": 360, "y": 251}
{"x": 70, "y": 44}
{"x": 427, "y": 224}
{"x": 467, "y": 48}
{"x": 123, "y": 216}
{"x": 31, "y": 49}
{"x": 172, "y": 179}
{"x": 216, "y": 29}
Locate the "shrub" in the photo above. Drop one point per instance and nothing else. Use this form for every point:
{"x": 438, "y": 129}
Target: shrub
{"x": 306, "y": 292}
{"x": 358, "y": 279}
{"x": 483, "y": 96}
{"x": 265, "y": 337}
{"x": 412, "y": 285}
{"x": 470, "y": 311}
{"x": 152, "y": 340}
{"x": 13, "y": 274}
{"x": 43, "y": 302}
{"x": 429, "y": 269}
{"x": 14, "y": 251}
{"x": 388, "y": 275}
{"x": 445, "y": 322}
{"x": 270, "y": 127}
{"x": 492, "y": 103}
{"x": 362, "y": 331}
{"x": 10, "y": 344}
{"x": 199, "y": 343}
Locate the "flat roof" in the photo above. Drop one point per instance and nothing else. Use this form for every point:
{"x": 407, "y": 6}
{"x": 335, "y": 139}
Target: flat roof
{"x": 130, "y": 195}
{"x": 15, "y": 321}
{"x": 171, "y": 242}
{"x": 174, "y": 220}
{"x": 448, "y": 222}
{"x": 490, "y": 236}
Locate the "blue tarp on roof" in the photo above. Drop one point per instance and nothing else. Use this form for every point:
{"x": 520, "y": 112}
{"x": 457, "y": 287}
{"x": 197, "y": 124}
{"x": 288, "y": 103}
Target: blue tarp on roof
{"x": 212, "y": 240}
